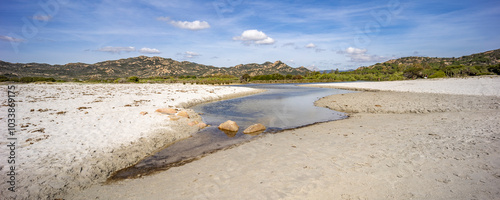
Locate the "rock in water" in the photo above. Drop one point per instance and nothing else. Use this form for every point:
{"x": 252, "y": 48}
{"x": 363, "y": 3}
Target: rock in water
{"x": 202, "y": 125}
{"x": 166, "y": 111}
{"x": 255, "y": 129}
{"x": 229, "y": 126}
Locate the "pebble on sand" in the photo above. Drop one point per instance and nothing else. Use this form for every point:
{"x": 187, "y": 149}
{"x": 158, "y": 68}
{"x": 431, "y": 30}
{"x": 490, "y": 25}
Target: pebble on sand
{"x": 173, "y": 118}
{"x": 166, "y": 111}
{"x": 183, "y": 114}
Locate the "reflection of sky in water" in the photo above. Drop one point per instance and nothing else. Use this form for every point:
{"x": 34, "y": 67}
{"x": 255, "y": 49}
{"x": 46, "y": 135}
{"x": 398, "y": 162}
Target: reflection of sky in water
{"x": 282, "y": 106}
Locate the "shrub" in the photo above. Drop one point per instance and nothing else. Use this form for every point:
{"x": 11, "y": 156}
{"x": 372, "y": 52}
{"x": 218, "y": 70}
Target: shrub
{"x": 134, "y": 79}
{"x": 495, "y": 69}
{"x": 438, "y": 74}
{"x": 413, "y": 72}
{"x": 3, "y": 78}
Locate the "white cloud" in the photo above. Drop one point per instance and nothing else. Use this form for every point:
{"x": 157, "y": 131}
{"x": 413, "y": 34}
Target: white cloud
{"x": 10, "y": 39}
{"x": 268, "y": 40}
{"x": 116, "y": 49}
{"x": 194, "y": 25}
{"x": 352, "y": 50}
{"x": 42, "y": 17}
{"x": 149, "y": 51}
{"x": 254, "y": 36}
{"x": 251, "y": 35}
{"x": 360, "y": 55}
{"x": 310, "y": 45}
{"x": 190, "y": 54}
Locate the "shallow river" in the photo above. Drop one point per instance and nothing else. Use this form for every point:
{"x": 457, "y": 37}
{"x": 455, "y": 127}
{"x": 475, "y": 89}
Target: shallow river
{"x": 282, "y": 106}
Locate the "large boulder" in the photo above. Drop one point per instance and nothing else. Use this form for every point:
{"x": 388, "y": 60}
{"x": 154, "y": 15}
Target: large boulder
{"x": 255, "y": 129}
{"x": 229, "y": 126}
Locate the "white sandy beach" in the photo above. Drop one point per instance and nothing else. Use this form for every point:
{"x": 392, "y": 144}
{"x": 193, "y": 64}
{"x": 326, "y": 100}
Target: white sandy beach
{"x": 70, "y": 136}
{"x": 391, "y": 152}
{"x": 482, "y": 86}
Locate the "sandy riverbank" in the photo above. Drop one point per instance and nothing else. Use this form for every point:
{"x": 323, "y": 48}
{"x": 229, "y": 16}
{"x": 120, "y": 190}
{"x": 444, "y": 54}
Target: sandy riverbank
{"x": 70, "y": 136}
{"x": 434, "y": 147}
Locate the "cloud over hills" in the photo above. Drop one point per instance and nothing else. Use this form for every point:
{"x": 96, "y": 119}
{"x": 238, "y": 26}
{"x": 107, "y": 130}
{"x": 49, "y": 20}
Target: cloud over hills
{"x": 119, "y": 50}
{"x": 149, "y": 51}
{"x": 194, "y": 25}
{"x": 255, "y": 37}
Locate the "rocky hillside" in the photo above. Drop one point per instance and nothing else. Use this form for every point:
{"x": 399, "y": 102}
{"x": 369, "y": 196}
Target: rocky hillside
{"x": 480, "y": 59}
{"x": 141, "y": 66}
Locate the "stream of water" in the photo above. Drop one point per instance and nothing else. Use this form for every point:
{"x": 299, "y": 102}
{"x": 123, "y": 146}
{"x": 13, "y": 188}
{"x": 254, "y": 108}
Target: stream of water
{"x": 281, "y": 107}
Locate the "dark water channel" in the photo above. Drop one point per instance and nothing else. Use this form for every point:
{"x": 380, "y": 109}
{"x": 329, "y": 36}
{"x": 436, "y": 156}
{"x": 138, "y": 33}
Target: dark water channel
{"x": 281, "y": 107}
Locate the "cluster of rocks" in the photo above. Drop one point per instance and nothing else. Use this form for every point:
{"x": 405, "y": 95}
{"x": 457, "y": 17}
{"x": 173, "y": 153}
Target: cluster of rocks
{"x": 232, "y": 128}
{"x": 174, "y": 115}
{"x": 229, "y": 127}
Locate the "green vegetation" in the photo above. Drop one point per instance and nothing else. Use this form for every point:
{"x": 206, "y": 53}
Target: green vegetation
{"x": 377, "y": 72}
{"x": 4, "y": 78}
{"x": 133, "y": 79}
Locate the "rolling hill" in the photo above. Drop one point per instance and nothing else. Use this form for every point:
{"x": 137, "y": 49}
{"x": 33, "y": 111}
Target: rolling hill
{"x": 141, "y": 66}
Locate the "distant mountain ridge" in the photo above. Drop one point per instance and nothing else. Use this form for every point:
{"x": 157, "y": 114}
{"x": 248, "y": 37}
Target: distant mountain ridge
{"x": 480, "y": 59}
{"x": 141, "y": 66}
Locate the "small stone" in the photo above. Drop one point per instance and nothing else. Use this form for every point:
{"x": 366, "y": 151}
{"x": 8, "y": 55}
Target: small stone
{"x": 183, "y": 114}
{"x": 256, "y": 128}
{"x": 193, "y": 123}
{"x": 202, "y": 125}
{"x": 166, "y": 111}
{"x": 143, "y": 113}
{"x": 229, "y": 126}
{"x": 173, "y": 117}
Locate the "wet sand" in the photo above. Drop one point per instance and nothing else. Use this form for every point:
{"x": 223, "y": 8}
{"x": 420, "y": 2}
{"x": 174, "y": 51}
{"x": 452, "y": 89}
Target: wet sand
{"x": 394, "y": 146}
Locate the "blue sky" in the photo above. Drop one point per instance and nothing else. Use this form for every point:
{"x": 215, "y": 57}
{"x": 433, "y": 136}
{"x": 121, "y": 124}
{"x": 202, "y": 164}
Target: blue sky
{"x": 342, "y": 34}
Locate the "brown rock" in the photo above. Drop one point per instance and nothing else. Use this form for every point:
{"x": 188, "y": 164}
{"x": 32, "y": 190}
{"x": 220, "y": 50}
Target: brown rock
{"x": 173, "y": 117}
{"x": 229, "y": 126}
{"x": 183, "y": 114}
{"x": 193, "y": 123}
{"x": 143, "y": 113}
{"x": 166, "y": 111}
{"x": 255, "y": 129}
{"x": 202, "y": 125}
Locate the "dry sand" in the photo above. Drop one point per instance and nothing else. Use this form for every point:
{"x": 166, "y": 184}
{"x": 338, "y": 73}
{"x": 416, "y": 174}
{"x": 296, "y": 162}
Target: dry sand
{"x": 482, "y": 85}
{"x": 70, "y": 136}
{"x": 435, "y": 147}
